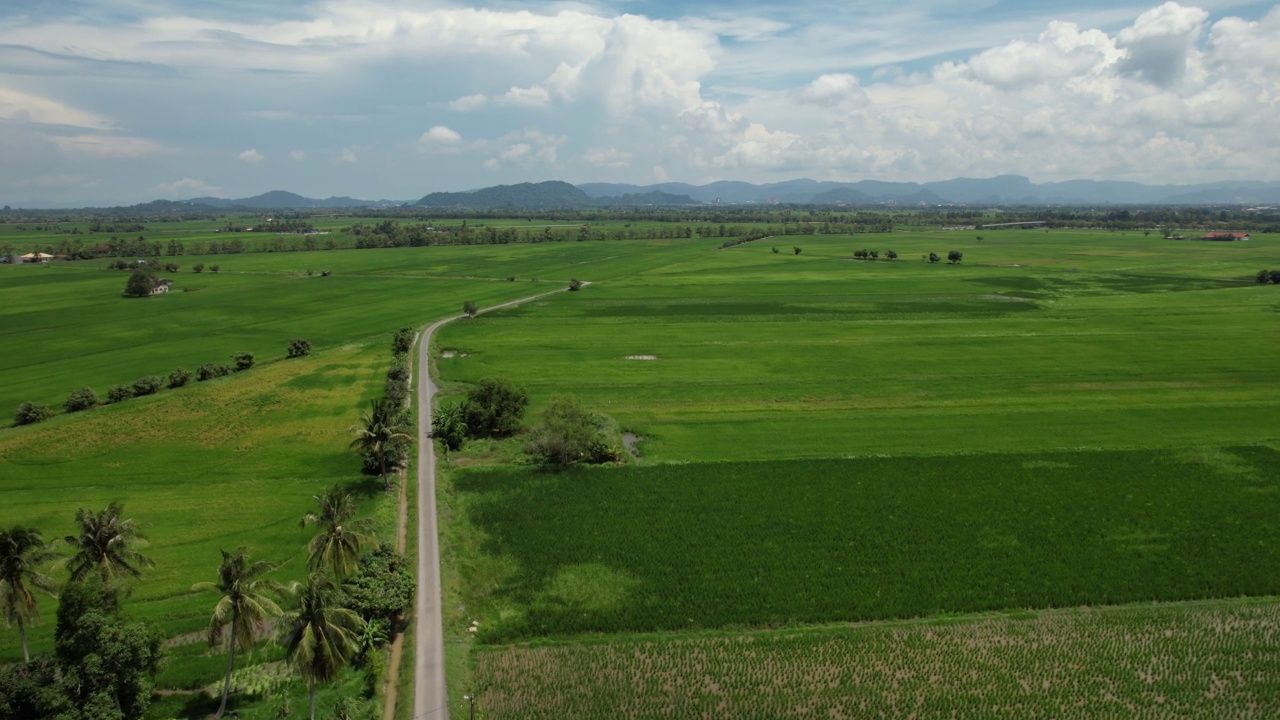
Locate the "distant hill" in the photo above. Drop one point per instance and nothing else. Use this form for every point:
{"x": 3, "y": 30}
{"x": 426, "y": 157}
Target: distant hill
{"x": 550, "y": 194}
{"x": 281, "y": 200}
{"x": 1003, "y": 190}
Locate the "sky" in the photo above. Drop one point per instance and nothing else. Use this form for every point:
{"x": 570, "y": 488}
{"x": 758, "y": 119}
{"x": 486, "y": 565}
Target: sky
{"x": 107, "y": 102}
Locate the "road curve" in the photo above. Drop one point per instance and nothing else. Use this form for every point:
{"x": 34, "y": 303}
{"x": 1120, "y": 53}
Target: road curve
{"x": 430, "y": 701}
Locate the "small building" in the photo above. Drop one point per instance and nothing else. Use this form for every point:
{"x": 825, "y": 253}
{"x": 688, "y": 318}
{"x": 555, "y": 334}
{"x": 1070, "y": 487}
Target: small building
{"x": 161, "y": 286}
{"x": 1225, "y": 237}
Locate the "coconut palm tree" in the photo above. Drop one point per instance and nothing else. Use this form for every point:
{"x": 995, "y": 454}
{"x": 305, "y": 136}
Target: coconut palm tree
{"x": 341, "y": 539}
{"x": 22, "y": 550}
{"x": 244, "y": 607}
{"x": 381, "y": 434}
{"x": 106, "y": 544}
{"x": 319, "y": 637}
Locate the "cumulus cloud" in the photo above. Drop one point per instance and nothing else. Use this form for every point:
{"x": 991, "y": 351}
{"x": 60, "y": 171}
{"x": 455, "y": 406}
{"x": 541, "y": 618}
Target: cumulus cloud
{"x": 833, "y": 89}
{"x": 349, "y": 156}
{"x": 606, "y": 157}
{"x": 571, "y": 89}
{"x": 1161, "y": 41}
{"x": 297, "y": 155}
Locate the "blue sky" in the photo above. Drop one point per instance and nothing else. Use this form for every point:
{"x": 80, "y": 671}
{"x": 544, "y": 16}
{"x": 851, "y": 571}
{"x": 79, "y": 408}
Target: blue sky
{"x": 123, "y": 101}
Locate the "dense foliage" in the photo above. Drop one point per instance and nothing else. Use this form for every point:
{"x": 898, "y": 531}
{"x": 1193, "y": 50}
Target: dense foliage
{"x": 81, "y": 399}
{"x": 570, "y": 433}
{"x": 494, "y": 407}
{"x": 29, "y": 413}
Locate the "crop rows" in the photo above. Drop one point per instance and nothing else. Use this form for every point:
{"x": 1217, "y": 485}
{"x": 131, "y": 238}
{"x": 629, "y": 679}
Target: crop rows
{"x": 1218, "y": 662}
{"x": 773, "y": 544}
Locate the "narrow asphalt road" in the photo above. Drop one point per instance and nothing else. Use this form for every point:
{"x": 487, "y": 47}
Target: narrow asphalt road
{"x": 429, "y": 699}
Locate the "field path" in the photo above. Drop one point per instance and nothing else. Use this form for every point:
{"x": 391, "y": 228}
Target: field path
{"x": 430, "y": 701}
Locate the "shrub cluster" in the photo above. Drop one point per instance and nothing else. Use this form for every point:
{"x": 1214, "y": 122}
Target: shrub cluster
{"x": 874, "y": 254}
{"x": 29, "y": 413}
{"x": 119, "y": 393}
{"x": 299, "y": 347}
{"x": 1267, "y": 276}
{"x": 571, "y": 434}
{"x": 81, "y": 399}
{"x": 397, "y": 385}
{"x": 210, "y": 370}
{"x": 85, "y": 398}
{"x": 402, "y": 341}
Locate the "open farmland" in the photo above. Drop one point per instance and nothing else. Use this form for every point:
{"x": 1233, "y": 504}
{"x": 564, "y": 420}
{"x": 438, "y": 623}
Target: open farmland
{"x": 1210, "y": 662}
{"x": 765, "y": 544}
{"x": 1035, "y": 341}
{"x": 1062, "y": 419}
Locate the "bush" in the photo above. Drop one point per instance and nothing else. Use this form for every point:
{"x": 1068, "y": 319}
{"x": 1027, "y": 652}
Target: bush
{"x": 891, "y": 255}
{"x": 244, "y": 360}
{"x": 796, "y": 250}
{"x": 213, "y": 268}
{"x": 119, "y": 393}
{"x": 140, "y": 283}
{"x": 208, "y": 371}
{"x": 179, "y": 377}
{"x": 1275, "y": 276}
{"x": 1263, "y": 277}
{"x": 570, "y": 434}
{"x": 299, "y": 347}
{"x": 494, "y": 408}
{"x": 933, "y": 257}
{"x": 81, "y": 399}
{"x": 383, "y": 587}
{"x": 30, "y": 413}
{"x": 470, "y": 309}
{"x": 397, "y": 385}
{"x": 147, "y": 385}
{"x": 448, "y": 425}
{"x": 402, "y": 342}
{"x": 954, "y": 256}
{"x": 197, "y": 268}
{"x": 575, "y": 285}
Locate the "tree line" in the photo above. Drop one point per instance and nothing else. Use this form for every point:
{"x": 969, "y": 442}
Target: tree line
{"x": 86, "y": 398}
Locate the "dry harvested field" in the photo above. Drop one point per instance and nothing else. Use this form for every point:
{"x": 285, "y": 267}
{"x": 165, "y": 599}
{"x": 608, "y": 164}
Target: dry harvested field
{"x": 1217, "y": 661}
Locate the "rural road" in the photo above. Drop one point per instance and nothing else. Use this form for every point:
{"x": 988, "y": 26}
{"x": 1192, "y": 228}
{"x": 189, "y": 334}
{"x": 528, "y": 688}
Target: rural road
{"x": 430, "y": 701}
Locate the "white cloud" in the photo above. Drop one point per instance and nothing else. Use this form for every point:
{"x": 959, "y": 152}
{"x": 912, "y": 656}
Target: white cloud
{"x": 469, "y": 102}
{"x": 606, "y": 157}
{"x": 761, "y": 94}
{"x": 187, "y": 188}
{"x": 105, "y": 146}
{"x": 24, "y": 107}
{"x": 1161, "y": 41}
{"x": 833, "y": 89}
{"x": 349, "y": 156}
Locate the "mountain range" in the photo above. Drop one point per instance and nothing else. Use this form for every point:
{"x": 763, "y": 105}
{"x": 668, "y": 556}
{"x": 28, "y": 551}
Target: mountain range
{"x": 1005, "y": 190}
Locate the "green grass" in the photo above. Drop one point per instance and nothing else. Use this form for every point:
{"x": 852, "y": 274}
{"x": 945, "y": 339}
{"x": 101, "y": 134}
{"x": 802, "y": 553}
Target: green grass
{"x": 1187, "y": 661}
{"x": 1037, "y": 341}
{"x": 717, "y": 545}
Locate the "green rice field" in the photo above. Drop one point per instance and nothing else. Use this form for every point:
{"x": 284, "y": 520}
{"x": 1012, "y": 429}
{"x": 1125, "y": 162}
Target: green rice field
{"x": 1065, "y": 419}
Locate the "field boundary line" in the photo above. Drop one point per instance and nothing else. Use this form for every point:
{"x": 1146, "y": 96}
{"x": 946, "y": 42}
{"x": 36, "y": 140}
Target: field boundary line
{"x": 430, "y": 694}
